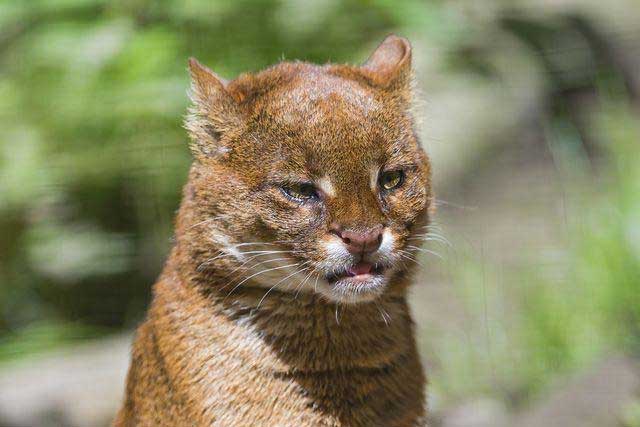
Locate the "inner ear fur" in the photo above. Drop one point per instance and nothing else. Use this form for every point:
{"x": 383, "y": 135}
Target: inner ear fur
{"x": 213, "y": 112}
{"x": 389, "y": 66}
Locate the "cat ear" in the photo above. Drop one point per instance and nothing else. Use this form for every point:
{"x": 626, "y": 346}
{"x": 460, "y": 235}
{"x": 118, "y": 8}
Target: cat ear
{"x": 213, "y": 112}
{"x": 389, "y": 66}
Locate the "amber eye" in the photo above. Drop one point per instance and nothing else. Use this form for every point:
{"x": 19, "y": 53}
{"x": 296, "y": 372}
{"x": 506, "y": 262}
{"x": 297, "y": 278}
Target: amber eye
{"x": 391, "y": 179}
{"x": 300, "y": 191}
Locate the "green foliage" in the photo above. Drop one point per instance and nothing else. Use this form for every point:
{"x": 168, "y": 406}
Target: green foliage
{"x": 38, "y": 338}
{"x": 631, "y": 415}
{"x": 92, "y": 153}
{"x": 561, "y": 323}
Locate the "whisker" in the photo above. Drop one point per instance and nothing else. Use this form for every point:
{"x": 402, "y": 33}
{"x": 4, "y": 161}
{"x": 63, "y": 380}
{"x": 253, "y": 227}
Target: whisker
{"x": 407, "y": 255}
{"x": 256, "y": 274}
{"x": 226, "y": 254}
{"x": 256, "y": 264}
{"x": 208, "y": 220}
{"x": 209, "y": 261}
{"x": 431, "y": 237}
{"x": 426, "y": 251}
{"x": 280, "y": 281}
{"x": 200, "y": 223}
{"x": 315, "y": 286}
{"x": 440, "y": 202}
{"x": 266, "y": 252}
{"x": 385, "y": 316}
{"x": 299, "y": 287}
{"x": 253, "y": 243}
{"x": 432, "y": 226}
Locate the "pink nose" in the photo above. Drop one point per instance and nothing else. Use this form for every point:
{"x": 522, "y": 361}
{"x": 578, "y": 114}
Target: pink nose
{"x": 360, "y": 242}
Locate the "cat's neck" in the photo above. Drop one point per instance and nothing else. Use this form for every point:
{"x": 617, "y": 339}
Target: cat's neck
{"x": 302, "y": 332}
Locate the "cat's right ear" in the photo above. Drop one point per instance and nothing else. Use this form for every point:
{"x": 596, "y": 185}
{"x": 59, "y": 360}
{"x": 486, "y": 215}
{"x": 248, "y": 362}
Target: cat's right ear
{"x": 213, "y": 113}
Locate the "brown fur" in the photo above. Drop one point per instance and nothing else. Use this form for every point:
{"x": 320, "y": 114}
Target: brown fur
{"x": 227, "y": 343}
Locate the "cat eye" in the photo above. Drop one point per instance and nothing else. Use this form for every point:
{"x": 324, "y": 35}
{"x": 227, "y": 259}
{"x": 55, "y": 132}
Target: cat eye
{"x": 301, "y": 191}
{"x": 391, "y": 179}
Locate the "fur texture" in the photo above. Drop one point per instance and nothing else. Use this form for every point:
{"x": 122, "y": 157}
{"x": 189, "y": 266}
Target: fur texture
{"x": 265, "y": 315}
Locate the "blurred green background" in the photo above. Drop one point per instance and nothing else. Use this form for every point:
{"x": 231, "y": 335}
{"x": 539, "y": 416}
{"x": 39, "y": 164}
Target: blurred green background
{"x": 529, "y": 110}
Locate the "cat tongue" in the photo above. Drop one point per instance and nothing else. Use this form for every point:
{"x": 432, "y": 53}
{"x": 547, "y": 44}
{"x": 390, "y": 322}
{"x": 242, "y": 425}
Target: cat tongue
{"x": 360, "y": 268}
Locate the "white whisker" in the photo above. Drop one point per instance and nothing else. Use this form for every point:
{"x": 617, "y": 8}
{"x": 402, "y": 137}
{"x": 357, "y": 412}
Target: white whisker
{"x": 299, "y": 287}
{"x": 280, "y": 281}
{"x": 408, "y": 255}
{"x": 431, "y": 237}
{"x": 225, "y": 254}
{"x": 256, "y": 264}
{"x": 256, "y": 274}
{"x": 315, "y": 286}
{"x": 440, "y": 202}
{"x": 425, "y": 251}
{"x": 253, "y": 243}
{"x": 208, "y": 220}
{"x": 385, "y": 316}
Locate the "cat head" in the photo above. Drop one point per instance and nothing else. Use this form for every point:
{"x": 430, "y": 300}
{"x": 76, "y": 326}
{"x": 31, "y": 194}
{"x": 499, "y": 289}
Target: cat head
{"x": 307, "y": 177}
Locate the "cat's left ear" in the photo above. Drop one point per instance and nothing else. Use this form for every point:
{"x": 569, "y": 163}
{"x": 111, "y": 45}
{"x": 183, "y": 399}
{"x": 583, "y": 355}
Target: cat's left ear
{"x": 389, "y": 66}
{"x": 214, "y": 111}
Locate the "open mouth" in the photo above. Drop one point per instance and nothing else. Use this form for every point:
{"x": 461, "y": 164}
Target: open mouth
{"x": 359, "y": 271}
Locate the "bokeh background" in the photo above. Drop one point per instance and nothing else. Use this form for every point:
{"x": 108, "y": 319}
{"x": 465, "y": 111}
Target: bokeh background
{"x": 529, "y": 315}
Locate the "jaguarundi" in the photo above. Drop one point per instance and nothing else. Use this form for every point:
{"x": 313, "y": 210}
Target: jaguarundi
{"x": 284, "y": 299}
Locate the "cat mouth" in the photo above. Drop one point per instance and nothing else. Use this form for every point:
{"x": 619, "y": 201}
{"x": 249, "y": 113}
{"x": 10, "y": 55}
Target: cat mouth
{"x": 361, "y": 271}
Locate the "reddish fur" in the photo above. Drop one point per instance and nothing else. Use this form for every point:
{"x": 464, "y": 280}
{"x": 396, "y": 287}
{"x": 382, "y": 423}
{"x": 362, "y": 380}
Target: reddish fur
{"x": 210, "y": 355}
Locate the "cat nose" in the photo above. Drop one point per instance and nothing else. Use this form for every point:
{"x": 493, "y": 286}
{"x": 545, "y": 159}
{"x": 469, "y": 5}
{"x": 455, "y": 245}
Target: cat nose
{"x": 360, "y": 242}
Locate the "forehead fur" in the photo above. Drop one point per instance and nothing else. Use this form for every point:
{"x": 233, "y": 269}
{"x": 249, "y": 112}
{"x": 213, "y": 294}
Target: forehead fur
{"x": 291, "y": 92}
{"x": 325, "y": 117}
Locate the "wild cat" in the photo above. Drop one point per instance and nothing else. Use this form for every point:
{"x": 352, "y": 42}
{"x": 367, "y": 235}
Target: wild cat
{"x": 284, "y": 299}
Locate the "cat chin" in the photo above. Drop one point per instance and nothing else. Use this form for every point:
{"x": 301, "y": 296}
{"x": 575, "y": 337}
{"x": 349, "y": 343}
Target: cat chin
{"x": 351, "y": 290}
